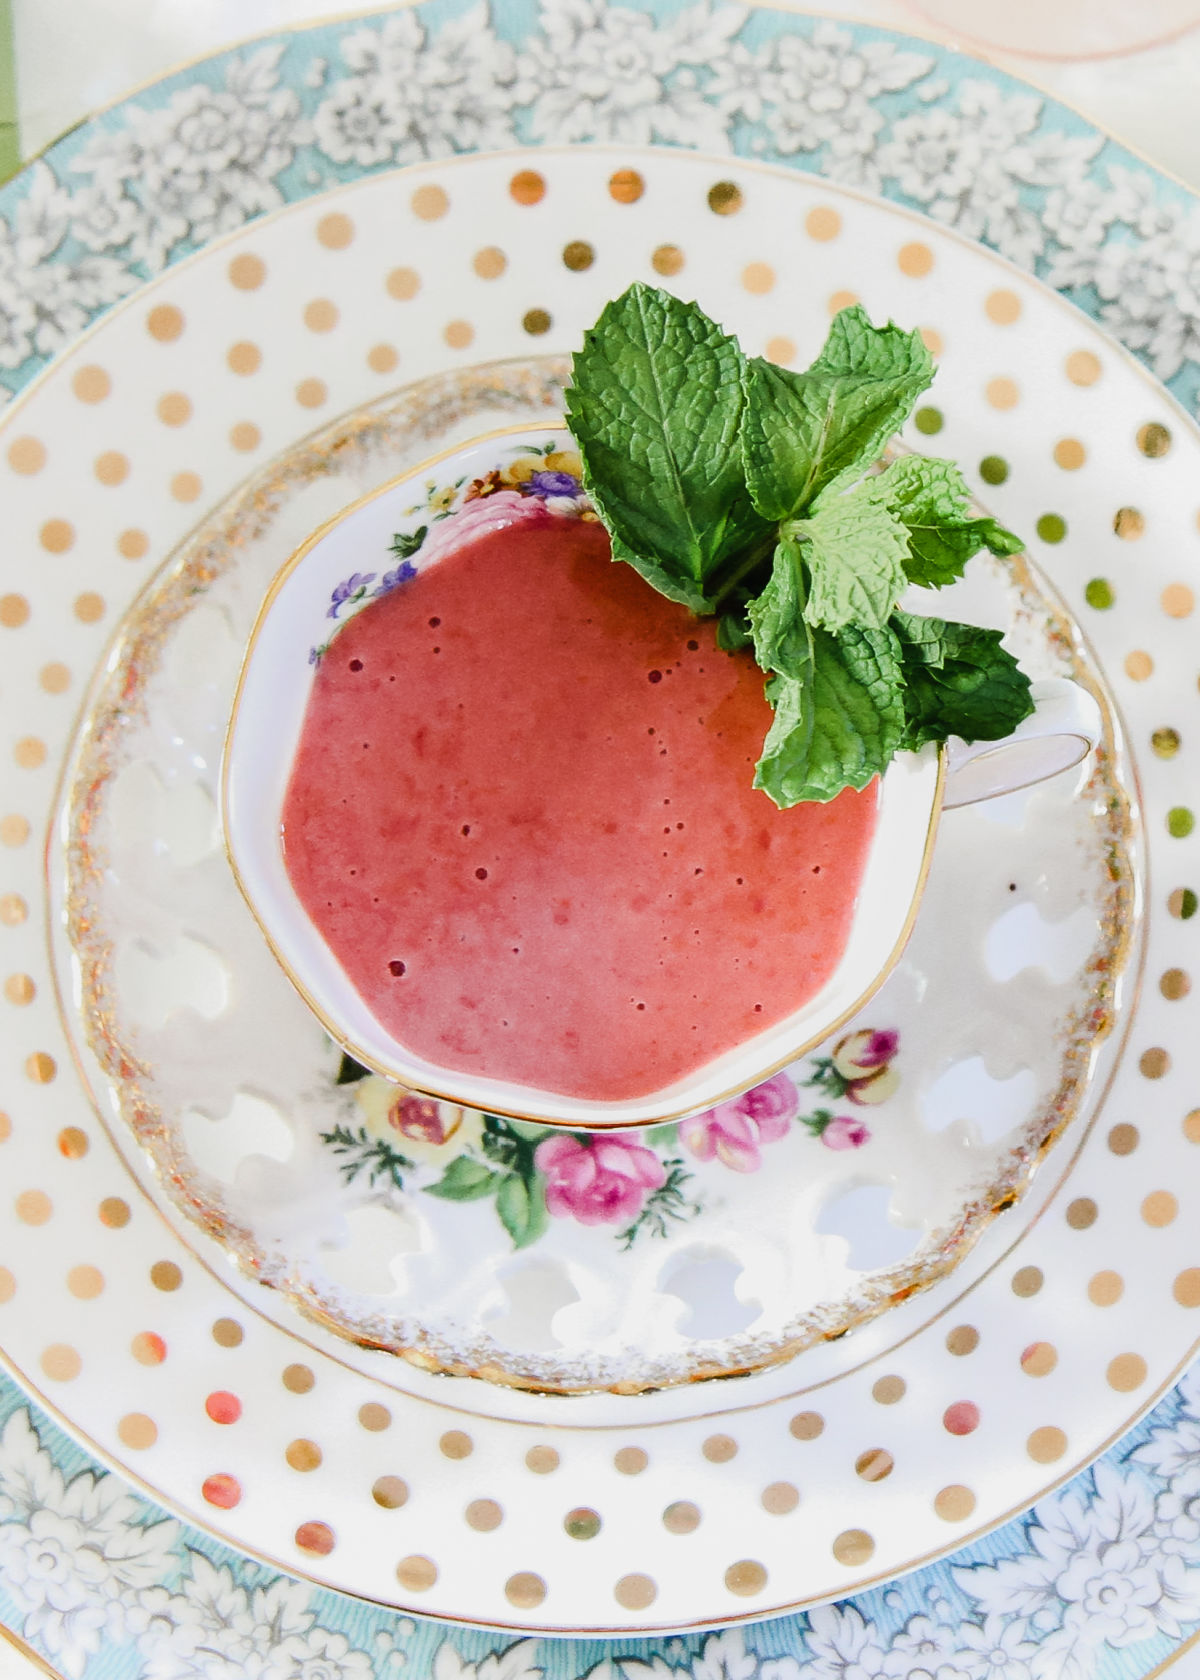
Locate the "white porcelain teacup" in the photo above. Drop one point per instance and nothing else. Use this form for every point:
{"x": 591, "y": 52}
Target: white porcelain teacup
{"x": 264, "y": 733}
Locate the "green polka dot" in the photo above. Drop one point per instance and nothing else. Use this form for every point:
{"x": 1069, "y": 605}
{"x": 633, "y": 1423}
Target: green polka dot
{"x": 1188, "y": 904}
{"x": 928, "y": 420}
{"x": 993, "y": 469}
{"x": 1165, "y": 742}
{"x": 1052, "y": 527}
{"x": 1099, "y": 594}
{"x": 1180, "y": 822}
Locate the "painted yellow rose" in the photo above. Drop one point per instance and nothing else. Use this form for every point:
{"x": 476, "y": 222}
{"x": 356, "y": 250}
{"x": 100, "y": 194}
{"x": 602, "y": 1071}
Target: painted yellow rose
{"x": 522, "y": 469}
{"x": 427, "y": 1131}
{"x": 443, "y": 500}
{"x": 564, "y": 460}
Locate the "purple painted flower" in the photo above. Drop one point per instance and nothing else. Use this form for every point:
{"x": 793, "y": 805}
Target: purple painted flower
{"x": 398, "y": 575}
{"x": 352, "y": 588}
{"x": 733, "y": 1131}
{"x": 844, "y": 1133}
{"x": 552, "y": 484}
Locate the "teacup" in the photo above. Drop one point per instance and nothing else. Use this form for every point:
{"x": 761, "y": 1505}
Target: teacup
{"x": 326, "y": 579}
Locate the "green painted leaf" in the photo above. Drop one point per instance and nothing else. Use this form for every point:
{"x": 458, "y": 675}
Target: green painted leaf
{"x": 465, "y": 1180}
{"x": 958, "y": 680}
{"x": 521, "y": 1204}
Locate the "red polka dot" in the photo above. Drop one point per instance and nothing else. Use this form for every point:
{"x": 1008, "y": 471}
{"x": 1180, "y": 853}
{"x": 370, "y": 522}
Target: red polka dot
{"x": 315, "y": 1537}
{"x": 223, "y": 1407}
{"x": 222, "y": 1490}
{"x": 962, "y": 1417}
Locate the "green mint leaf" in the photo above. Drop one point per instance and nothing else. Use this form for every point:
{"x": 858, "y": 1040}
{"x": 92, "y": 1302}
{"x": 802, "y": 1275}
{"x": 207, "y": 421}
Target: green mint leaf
{"x": 655, "y": 406}
{"x": 958, "y": 680}
{"x": 465, "y": 1180}
{"x": 733, "y": 631}
{"x": 855, "y": 549}
{"x": 521, "y": 1204}
{"x": 800, "y": 431}
{"x": 674, "y": 587}
{"x": 783, "y": 640}
{"x": 931, "y": 499}
{"x": 837, "y": 725}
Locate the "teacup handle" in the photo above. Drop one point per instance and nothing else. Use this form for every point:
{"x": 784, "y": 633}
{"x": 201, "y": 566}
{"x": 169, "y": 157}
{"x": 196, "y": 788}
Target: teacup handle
{"x": 1063, "y": 728}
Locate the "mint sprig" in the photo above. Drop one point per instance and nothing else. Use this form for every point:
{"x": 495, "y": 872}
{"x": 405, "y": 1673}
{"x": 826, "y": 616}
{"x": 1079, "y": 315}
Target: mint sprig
{"x": 739, "y": 488}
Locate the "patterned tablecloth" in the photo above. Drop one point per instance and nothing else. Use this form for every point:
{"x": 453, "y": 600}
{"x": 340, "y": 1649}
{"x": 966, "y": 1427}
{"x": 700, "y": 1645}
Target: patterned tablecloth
{"x": 1101, "y": 1579}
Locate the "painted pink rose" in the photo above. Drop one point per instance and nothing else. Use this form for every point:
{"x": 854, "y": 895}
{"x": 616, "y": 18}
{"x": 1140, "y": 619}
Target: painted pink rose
{"x": 479, "y": 518}
{"x": 844, "y": 1133}
{"x": 733, "y": 1131}
{"x": 601, "y": 1182}
{"x": 861, "y": 1052}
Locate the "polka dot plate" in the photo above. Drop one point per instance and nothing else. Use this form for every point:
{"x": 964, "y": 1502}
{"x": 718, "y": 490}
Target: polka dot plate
{"x": 602, "y": 1513}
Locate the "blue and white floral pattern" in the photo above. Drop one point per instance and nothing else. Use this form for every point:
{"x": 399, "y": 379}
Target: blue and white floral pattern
{"x": 1102, "y": 1579}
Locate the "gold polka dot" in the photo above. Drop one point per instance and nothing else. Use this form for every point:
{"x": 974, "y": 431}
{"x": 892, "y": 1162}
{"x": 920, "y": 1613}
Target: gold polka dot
{"x": 114, "y": 1212}
{"x": 1191, "y": 1126}
{"x": 61, "y": 1362}
{"x": 1159, "y": 1208}
{"x": 335, "y": 231}
{"x": 541, "y": 1460}
{"x": 243, "y": 357}
{"x": 1003, "y": 307}
{"x": 578, "y": 256}
{"x": 1175, "y": 984}
{"x": 382, "y": 358}
{"x": 429, "y": 204}
{"x": 483, "y": 1515}
{"x": 27, "y": 455}
{"x": 57, "y": 536}
{"x": 719, "y": 1449}
{"x": 536, "y": 322}
{"x": 137, "y": 1431}
{"x": 30, "y": 753}
{"x": 725, "y": 198}
{"x": 874, "y": 1465}
{"x": 13, "y": 909}
{"x": 1046, "y": 1444}
{"x": 73, "y": 1144}
{"x": 8, "y": 1284}
{"x": 626, "y": 186}
{"x": 166, "y": 1275}
{"x": 527, "y": 187}
{"x": 416, "y": 1573}
{"x": 525, "y": 1589}
{"x": 148, "y": 1348}
{"x": 1082, "y": 1213}
{"x": 20, "y": 990}
{"x": 40, "y": 1067}
{"x": 14, "y": 611}
{"x": 1186, "y": 1288}
{"x": 781, "y": 351}
{"x": 838, "y": 301}
{"x": 635, "y": 1592}
{"x": 111, "y": 467}
{"x": 245, "y": 436}
{"x": 954, "y": 1503}
{"x": 963, "y": 1339}
{"x": 667, "y": 260}
{"x": 390, "y": 1491}
{"x": 806, "y": 1426}
{"x": 186, "y": 486}
{"x": 458, "y": 334}
{"x": 758, "y": 278}
{"x": 227, "y": 1332}
{"x": 1083, "y": 368}
{"x": 681, "y": 1517}
{"x": 854, "y": 1546}
{"x": 780, "y": 1499}
{"x": 299, "y": 1379}
{"x": 132, "y": 544}
{"x": 311, "y": 393}
{"x": 33, "y": 1207}
{"x": 630, "y": 1461}
{"x": 174, "y": 408}
{"x": 1039, "y": 1359}
{"x": 85, "y": 1282}
{"x": 403, "y": 283}
{"x": 374, "y": 1417}
{"x": 54, "y": 678}
{"x": 1178, "y": 600}
{"x": 165, "y": 323}
{"x": 1139, "y": 666}
{"x": 1105, "y": 1288}
{"x": 914, "y": 260}
{"x": 91, "y": 384}
{"x": 823, "y": 223}
{"x": 1129, "y": 523}
{"x": 932, "y": 340}
{"x": 1123, "y": 1138}
{"x": 489, "y": 263}
{"x": 321, "y": 315}
{"x": 886, "y": 1391}
{"x": 14, "y": 831}
{"x": 247, "y": 272}
{"x": 303, "y": 1455}
{"x": 1002, "y": 393}
{"x": 1027, "y": 1281}
{"x": 1154, "y": 1064}
{"x": 5, "y": 1127}
{"x": 1153, "y": 439}
{"x": 1069, "y": 454}
{"x": 1126, "y": 1372}
{"x": 455, "y": 1443}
